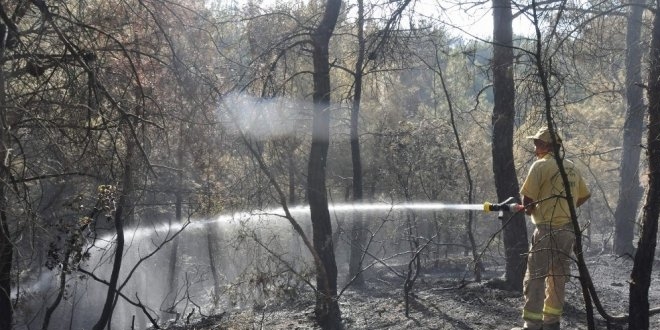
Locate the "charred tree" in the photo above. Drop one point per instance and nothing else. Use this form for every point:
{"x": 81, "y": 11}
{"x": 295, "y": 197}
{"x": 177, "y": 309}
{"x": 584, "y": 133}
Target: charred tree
{"x": 119, "y": 215}
{"x": 6, "y": 245}
{"x": 358, "y": 234}
{"x": 640, "y": 279}
{"x": 630, "y": 191}
{"x": 327, "y": 310}
{"x": 172, "y": 279}
{"x": 506, "y": 180}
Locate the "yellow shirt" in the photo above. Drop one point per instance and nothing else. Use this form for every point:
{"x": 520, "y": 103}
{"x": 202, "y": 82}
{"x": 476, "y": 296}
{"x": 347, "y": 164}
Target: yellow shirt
{"x": 543, "y": 182}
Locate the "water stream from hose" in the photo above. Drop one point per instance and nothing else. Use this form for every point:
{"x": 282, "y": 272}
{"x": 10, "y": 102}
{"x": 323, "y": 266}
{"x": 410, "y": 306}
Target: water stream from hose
{"x": 234, "y": 240}
{"x": 342, "y": 208}
{"x": 406, "y": 206}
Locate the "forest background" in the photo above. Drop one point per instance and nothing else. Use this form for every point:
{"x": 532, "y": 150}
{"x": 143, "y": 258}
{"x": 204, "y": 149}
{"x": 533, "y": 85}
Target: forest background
{"x": 182, "y": 124}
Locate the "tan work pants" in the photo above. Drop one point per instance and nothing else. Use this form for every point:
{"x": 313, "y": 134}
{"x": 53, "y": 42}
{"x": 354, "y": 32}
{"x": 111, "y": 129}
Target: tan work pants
{"x": 548, "y": 270}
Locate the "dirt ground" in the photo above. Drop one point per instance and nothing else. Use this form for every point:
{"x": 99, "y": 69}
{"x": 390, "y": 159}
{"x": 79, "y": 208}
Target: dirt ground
{"x": 441, "y": 302}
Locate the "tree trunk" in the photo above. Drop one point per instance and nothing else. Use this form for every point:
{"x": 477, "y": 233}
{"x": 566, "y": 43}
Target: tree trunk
{"x": 292, "y": 175}
{"x": 212, "y": 236}
{"x": 327, "y": 310}
{"x": 123, "y": 209}
{"x": 630, "y": 191}
{"x": 6, "y": 246}
{"x": 358, "y": 234}
{"x": 172, "y": 279}
{"x": 640, "y": 279}
{"x": 506, "y": 181}
{"x": 60, "y": 293}
{"x": 6, "y": 251}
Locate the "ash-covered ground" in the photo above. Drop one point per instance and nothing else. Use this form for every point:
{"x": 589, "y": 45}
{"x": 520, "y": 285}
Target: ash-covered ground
{"x": 441, "y": 301}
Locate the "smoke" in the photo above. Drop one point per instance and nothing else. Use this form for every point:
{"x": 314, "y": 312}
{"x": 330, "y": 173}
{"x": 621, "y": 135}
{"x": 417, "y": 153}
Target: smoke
{"x": 263, "y": 118}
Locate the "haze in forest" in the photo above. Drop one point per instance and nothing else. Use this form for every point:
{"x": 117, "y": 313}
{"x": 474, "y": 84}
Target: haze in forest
{"x": 171, "y": 162}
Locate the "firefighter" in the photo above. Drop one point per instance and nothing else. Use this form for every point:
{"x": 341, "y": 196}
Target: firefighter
{"x": 548, "y": 260}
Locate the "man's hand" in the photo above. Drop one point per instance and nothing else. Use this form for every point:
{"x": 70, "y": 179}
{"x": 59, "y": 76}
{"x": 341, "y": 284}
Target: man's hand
{"x": 529, "y": 205}
{"x": 529, "y": 209}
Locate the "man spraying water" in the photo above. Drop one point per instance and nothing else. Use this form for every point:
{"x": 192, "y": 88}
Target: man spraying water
{"x": 548, "y": 261}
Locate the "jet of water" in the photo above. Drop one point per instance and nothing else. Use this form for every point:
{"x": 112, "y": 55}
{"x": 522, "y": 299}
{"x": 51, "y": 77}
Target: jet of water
{"x": 404, "y": 206}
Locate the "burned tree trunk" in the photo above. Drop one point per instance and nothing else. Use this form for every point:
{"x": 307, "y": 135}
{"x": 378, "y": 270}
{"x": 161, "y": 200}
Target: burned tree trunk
{"x": 506, "y": 180}
{"x": 640, "y": 279}
{"x": 327, "y": 310}
{"x": 358, "y": 233}
{"x": 9, "y": 39}
{"x": 630, "y": 191}
{"x": 6, "y": 245}
{"x": 119, "y": 215}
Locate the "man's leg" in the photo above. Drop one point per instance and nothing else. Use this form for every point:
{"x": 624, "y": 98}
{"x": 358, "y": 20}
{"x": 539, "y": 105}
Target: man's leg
{"x": 534, "y": 282}
{"x": 560, "y": 270}
{"x": 554, "y": 302}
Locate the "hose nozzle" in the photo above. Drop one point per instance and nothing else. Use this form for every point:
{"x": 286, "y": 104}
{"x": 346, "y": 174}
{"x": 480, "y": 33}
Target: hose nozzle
{"x": 509, "y": 205}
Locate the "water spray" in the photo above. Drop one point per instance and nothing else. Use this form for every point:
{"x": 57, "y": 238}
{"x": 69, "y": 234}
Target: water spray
{"x": 509, "y": 205}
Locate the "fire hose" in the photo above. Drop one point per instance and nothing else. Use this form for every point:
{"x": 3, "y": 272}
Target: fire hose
{"x": 509, "y": 205}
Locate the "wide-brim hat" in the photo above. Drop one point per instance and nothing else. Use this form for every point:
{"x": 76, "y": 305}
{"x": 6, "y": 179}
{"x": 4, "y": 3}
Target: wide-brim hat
{"x": 543, "y": 134}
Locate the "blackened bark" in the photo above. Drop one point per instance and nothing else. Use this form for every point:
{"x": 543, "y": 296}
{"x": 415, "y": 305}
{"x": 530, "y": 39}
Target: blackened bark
{"x": 506, "y": 181}
{"x": 172, "y": 279}
{"x": 6, "y": 258}
{"x": 60, "y": 293}
{"x": 640, "y": 279}
{"x": 123, "y": 209}
{"x": 6, "y": 245}
{"x": 211, "y": 237}
{"x": 358, "y": 234}
{"x": 327, "y": 310}
{"x": 6, "y": 255}
{"x": 630, "y": 191}
{"x": 292, "y": 175}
